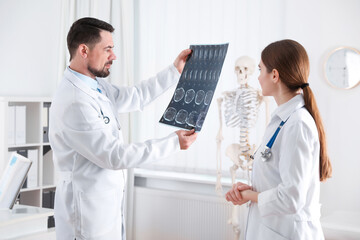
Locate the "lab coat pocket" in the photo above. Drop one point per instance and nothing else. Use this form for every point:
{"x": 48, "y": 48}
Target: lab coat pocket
{"x": 268, "y": 233}
{"x": 99, "y": 211}
{"x": 280, "y": 226}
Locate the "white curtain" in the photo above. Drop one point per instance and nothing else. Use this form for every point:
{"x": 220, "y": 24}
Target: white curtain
{"x": 164, "y": 28}
{"x": 120, "y": 14}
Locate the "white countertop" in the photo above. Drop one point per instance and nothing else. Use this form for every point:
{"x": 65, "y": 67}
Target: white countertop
{"x": 22, "y": 213}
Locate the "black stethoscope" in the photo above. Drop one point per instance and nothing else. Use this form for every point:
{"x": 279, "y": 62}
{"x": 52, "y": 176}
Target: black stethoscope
{"x": 266, "y": 154}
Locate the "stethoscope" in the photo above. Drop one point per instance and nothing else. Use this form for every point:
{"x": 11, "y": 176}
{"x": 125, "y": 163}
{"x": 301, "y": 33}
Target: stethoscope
{"x": 105, "y": 118}
{"x": 266, "y": 154}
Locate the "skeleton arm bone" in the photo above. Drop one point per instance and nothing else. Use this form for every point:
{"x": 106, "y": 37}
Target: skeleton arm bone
{"x": 219, "y": 139}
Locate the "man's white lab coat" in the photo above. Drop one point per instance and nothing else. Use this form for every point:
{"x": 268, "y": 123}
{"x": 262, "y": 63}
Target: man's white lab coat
{"x": 91, "y": 156}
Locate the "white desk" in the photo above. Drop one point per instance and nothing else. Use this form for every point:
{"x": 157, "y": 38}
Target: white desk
{"x": 25, "y": 222}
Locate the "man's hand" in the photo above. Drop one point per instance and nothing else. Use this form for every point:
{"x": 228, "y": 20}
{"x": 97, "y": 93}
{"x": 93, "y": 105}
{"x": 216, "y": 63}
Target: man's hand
{"x": 179, "y": 62}
{"x": 186, "y": 138}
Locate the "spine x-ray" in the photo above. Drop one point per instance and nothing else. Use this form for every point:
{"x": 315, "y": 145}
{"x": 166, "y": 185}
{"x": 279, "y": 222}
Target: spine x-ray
{"x": 194, "y": 92}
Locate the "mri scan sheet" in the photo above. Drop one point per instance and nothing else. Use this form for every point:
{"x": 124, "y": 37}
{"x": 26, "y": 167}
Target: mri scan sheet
{"x": 193, "y": 94}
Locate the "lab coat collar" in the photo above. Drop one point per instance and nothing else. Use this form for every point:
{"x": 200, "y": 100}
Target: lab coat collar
{"x": 92, "y": 83}
{"x": 286, "y": 109}
{"x": 82, "y": 85}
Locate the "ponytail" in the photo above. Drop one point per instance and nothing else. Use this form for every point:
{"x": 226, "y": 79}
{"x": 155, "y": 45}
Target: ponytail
{"x": 310, "y": 104}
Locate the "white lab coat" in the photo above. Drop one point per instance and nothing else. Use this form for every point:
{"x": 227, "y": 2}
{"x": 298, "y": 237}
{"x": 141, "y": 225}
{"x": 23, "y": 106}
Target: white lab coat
{"x": 91, "y": 156}
{"x": 288, "y": 204}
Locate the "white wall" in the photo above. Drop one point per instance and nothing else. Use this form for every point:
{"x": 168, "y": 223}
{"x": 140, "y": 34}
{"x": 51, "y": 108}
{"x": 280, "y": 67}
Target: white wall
{"x": 28, "y": 64}
{"x": 29, "y": 46}
{"x": 322, "y": 26}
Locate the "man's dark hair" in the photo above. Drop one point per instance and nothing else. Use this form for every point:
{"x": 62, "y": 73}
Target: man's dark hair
{"x": 86, "y": 31}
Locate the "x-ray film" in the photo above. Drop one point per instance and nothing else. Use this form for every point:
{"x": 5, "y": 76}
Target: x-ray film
{"x": 194, "y": 92}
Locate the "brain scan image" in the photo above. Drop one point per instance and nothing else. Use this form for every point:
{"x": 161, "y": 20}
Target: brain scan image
{"x": 200, "y": 119}
{"x": 189, "y": 96}
{"x": 205, "y": 75}
{"x": 191, "y": 120}
{"x": 201, "y": 54}
{"x": 220, "y": 53}
{"x": 208, "y": 97}
{"x": 181, "y": 116}
{"x": 179, "y": 94}
{"x": 185, "y": 74}
{"x": 195, "y": 75}
{"x": 194, "y": 54}
{"x": 194, "y": 92}
{"x": 205, "y": 54}
{"x": 210, "y": 54}
{"x": 170, "y": 114}
{"x": 200, "y": 95}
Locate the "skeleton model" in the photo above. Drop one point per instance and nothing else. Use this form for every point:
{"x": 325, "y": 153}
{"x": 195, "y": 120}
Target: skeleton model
{"x": 241, "y": 110}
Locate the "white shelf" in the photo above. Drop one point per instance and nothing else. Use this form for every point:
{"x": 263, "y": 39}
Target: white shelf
{"x": 34, "y": 116}
{"x": 25, "y": 99}
{"x": 48, "y": 186}
{"x": 29, "y": 189}
{"x": 27, "y": 145}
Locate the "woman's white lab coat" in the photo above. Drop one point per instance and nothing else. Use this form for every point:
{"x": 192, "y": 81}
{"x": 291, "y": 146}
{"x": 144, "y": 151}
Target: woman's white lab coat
{"x": 289, "y": 186}
{"x": 91, "y": 156}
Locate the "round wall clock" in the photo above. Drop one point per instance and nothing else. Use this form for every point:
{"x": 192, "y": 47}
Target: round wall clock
{"x": 342, "y": 68}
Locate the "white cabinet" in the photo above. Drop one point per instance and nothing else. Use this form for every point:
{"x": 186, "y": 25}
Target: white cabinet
{"x": 31, "y": 121}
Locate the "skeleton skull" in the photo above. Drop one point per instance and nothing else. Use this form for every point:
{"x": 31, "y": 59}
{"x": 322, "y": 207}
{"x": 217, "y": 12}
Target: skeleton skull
{"x": 244, "y": 67}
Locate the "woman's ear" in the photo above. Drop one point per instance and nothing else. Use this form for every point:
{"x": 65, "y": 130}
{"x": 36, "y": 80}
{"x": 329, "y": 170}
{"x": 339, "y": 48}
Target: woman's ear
{"x": 275, "y": 76}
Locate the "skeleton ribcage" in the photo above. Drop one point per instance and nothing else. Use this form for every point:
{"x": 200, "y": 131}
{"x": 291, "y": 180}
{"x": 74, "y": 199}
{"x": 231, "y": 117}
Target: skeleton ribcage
{"x": 241, "y": 108}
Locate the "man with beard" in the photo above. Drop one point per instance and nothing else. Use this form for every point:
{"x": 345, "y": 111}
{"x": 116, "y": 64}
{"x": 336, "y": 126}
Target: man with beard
{"x": 86, "y": 135}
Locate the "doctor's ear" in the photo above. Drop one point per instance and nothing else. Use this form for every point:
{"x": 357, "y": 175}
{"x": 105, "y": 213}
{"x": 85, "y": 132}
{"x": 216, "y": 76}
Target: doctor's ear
{"x": 83, "y": 50}
{"x": 275, "y": 76}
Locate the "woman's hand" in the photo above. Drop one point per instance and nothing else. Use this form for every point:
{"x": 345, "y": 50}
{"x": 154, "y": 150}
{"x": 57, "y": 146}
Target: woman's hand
{"x": 239, "y": 194}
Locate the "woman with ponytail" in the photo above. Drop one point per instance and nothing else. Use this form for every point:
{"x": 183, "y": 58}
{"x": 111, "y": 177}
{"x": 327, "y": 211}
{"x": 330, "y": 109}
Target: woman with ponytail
{"x": 292, "y": 159}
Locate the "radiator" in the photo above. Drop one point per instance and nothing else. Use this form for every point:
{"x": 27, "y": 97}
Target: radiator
{"x": 165, "y": 215}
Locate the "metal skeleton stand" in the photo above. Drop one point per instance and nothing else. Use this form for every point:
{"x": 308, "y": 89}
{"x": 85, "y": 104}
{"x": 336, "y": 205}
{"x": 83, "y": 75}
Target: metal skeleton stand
{"x": 241, "y": 111}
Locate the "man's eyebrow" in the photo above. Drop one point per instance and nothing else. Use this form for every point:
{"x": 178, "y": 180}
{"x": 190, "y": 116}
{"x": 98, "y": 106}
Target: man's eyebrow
{"x": 109, "y": 47}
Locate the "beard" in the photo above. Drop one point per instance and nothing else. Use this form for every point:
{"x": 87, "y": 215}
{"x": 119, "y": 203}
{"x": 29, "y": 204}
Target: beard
{"x": 102, "y": 73}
